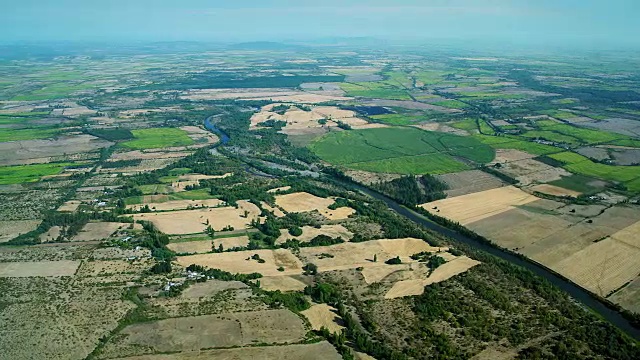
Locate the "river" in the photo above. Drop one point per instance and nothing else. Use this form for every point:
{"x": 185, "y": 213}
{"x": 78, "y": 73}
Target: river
{"x": 575, "y": 291}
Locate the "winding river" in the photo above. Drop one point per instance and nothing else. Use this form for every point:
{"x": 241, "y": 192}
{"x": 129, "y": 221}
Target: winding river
{"x": 575, "y": 291}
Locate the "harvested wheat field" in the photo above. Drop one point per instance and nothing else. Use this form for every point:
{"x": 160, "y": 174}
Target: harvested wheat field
{"x": 442, "y": 273}
{"x": 298, "y": 120}
{"x": 310, "y": 232}
{"x": 605, "y": 265}
{"x": 40, "y": 268}
{"x": 98, "y": 230}
{"x": 276, "y": 211}
{"x": 191, "y": 247}
{"x": 177, "y": 204}
{"x": 469, "y": 208}
{"x": 71, "y": 205}
{"x": 304, "y": 202}
{"x": 629, "y": 296}
{"x": 282, "y": 283}
{"x": 323, "y": 316}
{"x": 236, "y": 262}
{"x": 509, "y": 155}
{"x": 316, "y": 351}
{"x": 195, "y": 221}
{"x": 555, "y": 190}
{"x": 11, "y": 229}
{"x": 378, "y": 273}
{"x": 209, "y": 331}
{"x": 530, "y": 171}
{"x": 353, "y": 255}
{"x": 518, "y": 228}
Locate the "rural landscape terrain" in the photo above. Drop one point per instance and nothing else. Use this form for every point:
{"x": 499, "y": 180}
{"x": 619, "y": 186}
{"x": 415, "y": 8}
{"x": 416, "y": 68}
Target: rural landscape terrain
{"x": 195, "y": 201}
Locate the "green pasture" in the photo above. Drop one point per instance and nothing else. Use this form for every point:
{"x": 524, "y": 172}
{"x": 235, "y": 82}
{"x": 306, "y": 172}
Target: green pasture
{"x": 29, "y": 173}
{"x": 158, "y": 138}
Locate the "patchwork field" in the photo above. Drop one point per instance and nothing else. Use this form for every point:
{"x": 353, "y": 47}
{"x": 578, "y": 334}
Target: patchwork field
{"x": 400, "y": 150}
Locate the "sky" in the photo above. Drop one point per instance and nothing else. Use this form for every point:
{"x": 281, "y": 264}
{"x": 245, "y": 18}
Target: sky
{"x": 514, "y": 21}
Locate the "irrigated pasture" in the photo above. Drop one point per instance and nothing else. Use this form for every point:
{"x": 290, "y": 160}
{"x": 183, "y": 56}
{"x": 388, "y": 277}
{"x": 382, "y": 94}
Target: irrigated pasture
{"x": 242, "y": 262}
{"x": 196, "y": 221}
{"x": 305, "y": 202}
{"x": 470, "y": 208}
{"x": 158, "y": 138}
{"x": 400, "y": 150}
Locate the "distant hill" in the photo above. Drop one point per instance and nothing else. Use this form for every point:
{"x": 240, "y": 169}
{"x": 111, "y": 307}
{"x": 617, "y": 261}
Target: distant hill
{"x": 266, "y": 45}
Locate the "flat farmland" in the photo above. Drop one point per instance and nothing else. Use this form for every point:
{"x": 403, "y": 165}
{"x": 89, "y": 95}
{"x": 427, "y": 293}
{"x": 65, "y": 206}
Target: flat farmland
{"x": 241, "y": 262}
{"x": 470, "y": 208}
{"x": 400, "y": 150}
{"x": 469, "y": 182}
{"x": 196, "y": 221}
{"x": 310, "y": 232}
{"x": 19, "y": 174}
{"x": 316, "y": 351}
{"x": 158, "y": 138}
{"x": 40, "y": 268}
{"x": 208, "y": 331}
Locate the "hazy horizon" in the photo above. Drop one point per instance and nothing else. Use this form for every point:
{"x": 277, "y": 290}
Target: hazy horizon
{"x": 589, "y": 23}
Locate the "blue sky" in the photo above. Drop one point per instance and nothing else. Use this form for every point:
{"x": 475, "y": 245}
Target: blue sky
{"x": 537, "y": 21}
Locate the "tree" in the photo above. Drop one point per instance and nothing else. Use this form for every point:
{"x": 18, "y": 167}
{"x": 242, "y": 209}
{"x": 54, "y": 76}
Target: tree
{"x": 295, "y": 231}
{"x": 310, "y": 269}
{"x": 163, "y": 267}
{"x": 375, "y": 258}
{"x": 394, "y": 261}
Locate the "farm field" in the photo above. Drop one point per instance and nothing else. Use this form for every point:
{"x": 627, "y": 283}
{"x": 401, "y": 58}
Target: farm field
{"x": 400, "y": 150}
{"x": 185, "y": 200}
{"x": 158, "y": 138}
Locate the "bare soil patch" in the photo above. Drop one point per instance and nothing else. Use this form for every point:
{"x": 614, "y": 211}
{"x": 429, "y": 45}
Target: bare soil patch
{"x": 146, "y": 155}
{"x": 14, "y": 152}
{"x": 468, "y": 182}
{"x": 470, "y": 208}
{"x": 530, "y": 171}
{"x": 509, "y": 155}
{"x": 98, "y": 230}
{"x": 40, "y": 268}
{"x": 629, "y": 296}
{"x": 70, "y": 206}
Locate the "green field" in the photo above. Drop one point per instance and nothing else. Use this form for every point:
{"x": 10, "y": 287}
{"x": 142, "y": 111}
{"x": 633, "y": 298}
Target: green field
{"x": 581, "y": 165}
{"x": 375, "y": 90}
{"x": 26, "y": 134}
{"x": 401, "y": 150}
{"x": 509, "y": 142}
{"x": 396, "y": 119}
{"x": 158, "y": 138}
{"x": 28, "y": 173}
